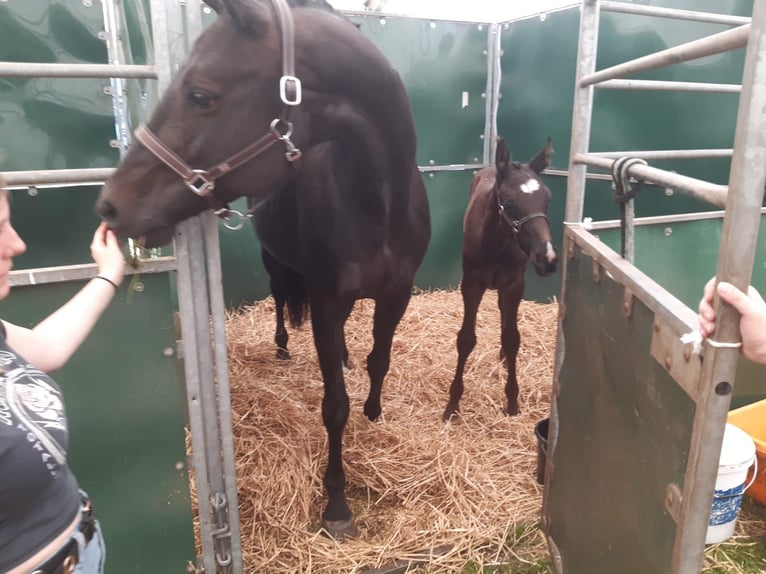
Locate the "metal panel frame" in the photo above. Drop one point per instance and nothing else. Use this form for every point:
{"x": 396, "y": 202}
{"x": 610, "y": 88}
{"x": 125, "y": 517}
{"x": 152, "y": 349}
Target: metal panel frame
{"x": 689, "y": 506}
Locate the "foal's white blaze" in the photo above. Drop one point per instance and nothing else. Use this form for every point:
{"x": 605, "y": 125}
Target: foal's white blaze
{"x": 550, "y": 252}
{"x": 530, "y": 186}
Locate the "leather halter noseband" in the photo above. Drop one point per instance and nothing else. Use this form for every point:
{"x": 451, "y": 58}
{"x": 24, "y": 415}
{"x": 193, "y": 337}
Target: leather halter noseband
{"x": 202, "y": 181}
{"x": 516, "y": 224}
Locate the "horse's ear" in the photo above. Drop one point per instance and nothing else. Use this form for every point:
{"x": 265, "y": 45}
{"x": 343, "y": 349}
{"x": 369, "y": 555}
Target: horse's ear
{"x": 249, "y": 16}
{"x": 502, "y": 159}
{"x": 216, "y": 5}
{"x": 543, "y": 158}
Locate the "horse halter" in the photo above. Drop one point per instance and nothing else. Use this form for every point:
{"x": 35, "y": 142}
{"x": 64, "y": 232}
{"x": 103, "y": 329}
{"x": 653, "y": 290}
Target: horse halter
{"x": 202, "y": 181}
{"x": 516, "y": 224}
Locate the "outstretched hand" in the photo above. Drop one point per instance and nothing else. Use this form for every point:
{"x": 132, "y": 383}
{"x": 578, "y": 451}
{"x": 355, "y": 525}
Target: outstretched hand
{"x": 751, "y": 307}
{"x": 106, "y": 252}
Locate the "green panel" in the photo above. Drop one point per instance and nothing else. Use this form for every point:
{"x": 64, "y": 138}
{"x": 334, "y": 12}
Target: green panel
{"x": 624, "y": 431}
{"x": 54, "y": 123}
{"x": 125, "y": 406}
{"x": 682, "y": 256}
{"x": 447, "y": 200}
{"x": 438, "y": 61}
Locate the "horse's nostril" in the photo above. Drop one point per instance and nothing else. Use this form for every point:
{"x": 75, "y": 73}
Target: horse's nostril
{"x": 106, "y": 210}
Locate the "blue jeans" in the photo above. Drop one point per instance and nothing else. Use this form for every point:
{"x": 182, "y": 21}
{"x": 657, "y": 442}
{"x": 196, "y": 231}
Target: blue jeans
{"x": 92, "y": 554}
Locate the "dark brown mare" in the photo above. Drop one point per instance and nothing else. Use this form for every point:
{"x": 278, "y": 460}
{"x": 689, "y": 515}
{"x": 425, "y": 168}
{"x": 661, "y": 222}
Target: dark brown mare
{"x": 296, "y": 109}
{"x": 505, "y": 225}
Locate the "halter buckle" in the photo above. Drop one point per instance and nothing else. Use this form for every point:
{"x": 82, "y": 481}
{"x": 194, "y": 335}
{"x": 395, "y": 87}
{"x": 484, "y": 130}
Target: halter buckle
{"x": 292, "y": 85}
{"x": 200, "y": 182}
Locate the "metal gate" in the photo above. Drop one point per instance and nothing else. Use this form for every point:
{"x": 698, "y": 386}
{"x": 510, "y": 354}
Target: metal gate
{"x": 195, "y": 269}
{"x": 638, "y": 409}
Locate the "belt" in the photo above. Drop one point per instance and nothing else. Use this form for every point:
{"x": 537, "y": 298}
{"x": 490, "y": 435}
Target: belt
{"x": 67, "y": 557}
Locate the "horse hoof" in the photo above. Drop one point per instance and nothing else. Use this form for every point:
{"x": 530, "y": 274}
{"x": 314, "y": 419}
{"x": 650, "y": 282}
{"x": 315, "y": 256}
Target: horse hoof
{"x": 283, "y": 354}
{"x": 340, "y": 529}
{"x": 372, "y": 411}
{"x": 512, "y": 410}
{"x": 450, "y": 415}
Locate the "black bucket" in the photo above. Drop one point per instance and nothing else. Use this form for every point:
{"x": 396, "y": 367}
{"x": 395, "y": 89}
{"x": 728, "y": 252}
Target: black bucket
{"x": 541, "y": 432}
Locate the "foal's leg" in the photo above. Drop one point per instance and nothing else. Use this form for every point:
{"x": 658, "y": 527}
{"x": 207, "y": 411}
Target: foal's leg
{"x": 388, "y": 312}
{"x": 326, "y": 319}
{"x": 466, "y": 340}
{"x": 508, "y": 299}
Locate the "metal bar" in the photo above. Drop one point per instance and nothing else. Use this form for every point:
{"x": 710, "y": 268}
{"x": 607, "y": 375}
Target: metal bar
{"x": 187, "y": 235}
{"x": 57, "y": 177}
{"x": 492, "y": 95}
{"x": 697, "y": 188}
{"x": 169, "y": 47}
{"x": 673, "y": 13}
{"x": 582, "y": 109}
{"x": 739, "y": 238}
{"x": 226, "y": 438}
{"x": 667, "y": 154}
{"x": 715, "y": 44}
{"x": 661, "y": 85}
{"x": 35, "y": 70}
{"x": 59, "y": 274}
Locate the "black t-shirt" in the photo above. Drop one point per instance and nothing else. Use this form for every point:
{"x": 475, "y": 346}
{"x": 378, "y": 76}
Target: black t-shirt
{"x": 39, "y": 496}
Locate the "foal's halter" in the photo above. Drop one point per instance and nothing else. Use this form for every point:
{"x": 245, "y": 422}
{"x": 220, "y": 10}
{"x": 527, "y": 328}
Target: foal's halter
{"x": 516, "y": 224}
{"x": 202, "y": 181}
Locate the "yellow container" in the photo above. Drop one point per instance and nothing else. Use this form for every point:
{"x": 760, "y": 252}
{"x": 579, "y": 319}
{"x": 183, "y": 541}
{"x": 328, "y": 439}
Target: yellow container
{"x": 752, "y": 419}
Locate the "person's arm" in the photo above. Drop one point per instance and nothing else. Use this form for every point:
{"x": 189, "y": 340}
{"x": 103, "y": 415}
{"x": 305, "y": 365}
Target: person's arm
{"x": 752, "y": 309}
{"x": 50, "y": 344}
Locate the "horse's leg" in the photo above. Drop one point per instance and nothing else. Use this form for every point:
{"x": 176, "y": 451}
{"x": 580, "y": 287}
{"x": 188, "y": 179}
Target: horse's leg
{"x": 472, "y": 293}
{"x": 509, "y": 299}
{"x": 278, "y": 290}
{"x": 326, "y": 320}
{"x": 388, "y": 312}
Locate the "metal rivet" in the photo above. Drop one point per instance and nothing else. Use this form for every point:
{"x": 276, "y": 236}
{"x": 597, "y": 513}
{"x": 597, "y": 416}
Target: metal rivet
{"x": 668, "y": 231}
{"x": 168, "y": 352}
{"x": 32, "y": 191}
{"x": 138, "y": 287}
{"x": 101, "y": 35}
{"x": 179, "y": 465}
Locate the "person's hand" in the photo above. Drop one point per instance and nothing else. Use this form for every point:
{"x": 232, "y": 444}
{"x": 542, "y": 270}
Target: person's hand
{"x": 106, "y": 252}
{"x": 751, "y": 307}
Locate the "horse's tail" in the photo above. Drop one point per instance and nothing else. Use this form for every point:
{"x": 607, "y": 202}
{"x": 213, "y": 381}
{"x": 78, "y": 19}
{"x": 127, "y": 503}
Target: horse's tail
{"x": 295, "y": 296}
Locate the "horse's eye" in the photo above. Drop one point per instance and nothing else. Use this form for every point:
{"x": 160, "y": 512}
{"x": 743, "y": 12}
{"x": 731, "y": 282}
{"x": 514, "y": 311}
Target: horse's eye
{"x": 199, "y": 99}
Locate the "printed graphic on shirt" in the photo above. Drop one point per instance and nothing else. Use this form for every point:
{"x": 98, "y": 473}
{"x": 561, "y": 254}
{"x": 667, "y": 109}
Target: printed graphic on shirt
{"x": 31, "y": 403}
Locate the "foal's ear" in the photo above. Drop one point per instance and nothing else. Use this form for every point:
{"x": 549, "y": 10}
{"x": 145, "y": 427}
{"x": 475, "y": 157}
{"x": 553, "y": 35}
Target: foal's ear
{"x": 502, "y": 159}
{"x": 542, "y": 159}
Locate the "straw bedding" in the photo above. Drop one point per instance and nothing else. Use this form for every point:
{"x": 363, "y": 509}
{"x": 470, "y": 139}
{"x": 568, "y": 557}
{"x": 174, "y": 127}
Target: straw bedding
{"x": 463, "y": 492}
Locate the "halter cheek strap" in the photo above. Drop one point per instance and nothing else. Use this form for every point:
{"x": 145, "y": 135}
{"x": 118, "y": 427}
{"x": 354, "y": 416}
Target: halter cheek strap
{"x": 516, "y": 224}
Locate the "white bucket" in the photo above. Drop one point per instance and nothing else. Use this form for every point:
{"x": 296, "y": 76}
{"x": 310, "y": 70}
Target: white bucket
{"x": 737, "y": 456}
